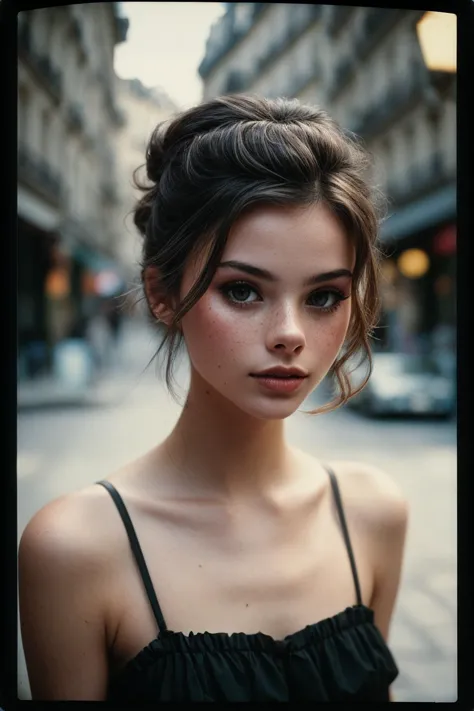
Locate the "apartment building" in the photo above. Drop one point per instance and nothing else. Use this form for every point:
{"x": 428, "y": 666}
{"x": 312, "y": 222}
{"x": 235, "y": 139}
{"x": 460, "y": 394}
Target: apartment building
{"x": 364, "y": 65}
{"x": 143, "y": 108}
{"x": 68, "y": 209}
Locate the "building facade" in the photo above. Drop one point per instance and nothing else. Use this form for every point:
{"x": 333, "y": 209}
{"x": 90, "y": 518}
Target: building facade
{"x": 364, "y": 65}
{"x": 68, "y": 209}
{"x": 143, "y": 108}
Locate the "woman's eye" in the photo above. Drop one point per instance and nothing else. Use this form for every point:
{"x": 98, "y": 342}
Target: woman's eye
{"x": 239, "y": 292}
{"x": 325, "y": 299}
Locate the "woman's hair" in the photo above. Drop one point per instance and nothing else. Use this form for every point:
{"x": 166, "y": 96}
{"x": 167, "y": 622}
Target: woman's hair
{"x": 214, "y": 161}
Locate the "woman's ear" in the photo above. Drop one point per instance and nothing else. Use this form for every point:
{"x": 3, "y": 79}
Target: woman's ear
{"x": 155, "y": 296}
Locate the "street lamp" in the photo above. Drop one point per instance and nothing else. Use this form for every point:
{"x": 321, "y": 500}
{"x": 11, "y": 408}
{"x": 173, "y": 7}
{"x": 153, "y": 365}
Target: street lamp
{"x": 436, "y": 33}
{"x": 437, "y": 37}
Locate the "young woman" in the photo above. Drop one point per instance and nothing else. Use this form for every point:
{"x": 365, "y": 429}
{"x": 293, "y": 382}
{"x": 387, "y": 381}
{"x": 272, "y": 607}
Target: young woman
{"x": 226, "y": 564}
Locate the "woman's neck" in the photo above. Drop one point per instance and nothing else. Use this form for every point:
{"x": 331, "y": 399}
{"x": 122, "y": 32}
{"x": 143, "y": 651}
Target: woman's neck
{"x": 220, "y": 449}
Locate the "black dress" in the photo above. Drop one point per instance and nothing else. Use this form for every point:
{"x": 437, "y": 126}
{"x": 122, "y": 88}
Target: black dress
{"x": 340, "y": 659}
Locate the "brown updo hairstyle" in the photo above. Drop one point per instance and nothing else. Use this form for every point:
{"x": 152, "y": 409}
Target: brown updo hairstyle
{"x": 212, "y": 162}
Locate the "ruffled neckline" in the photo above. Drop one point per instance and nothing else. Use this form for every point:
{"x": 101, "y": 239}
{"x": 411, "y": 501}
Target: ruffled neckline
{"x": 169, "y": 641}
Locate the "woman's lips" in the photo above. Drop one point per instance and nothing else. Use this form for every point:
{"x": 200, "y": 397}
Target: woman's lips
{"x": 278, "y": 384}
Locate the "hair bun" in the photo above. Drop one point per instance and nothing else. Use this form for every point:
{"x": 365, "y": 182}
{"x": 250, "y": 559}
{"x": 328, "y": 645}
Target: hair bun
{"x": 155, "y": 154}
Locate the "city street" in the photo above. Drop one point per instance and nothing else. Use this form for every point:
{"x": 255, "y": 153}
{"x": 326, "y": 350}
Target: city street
{"x": 64, "y": 449}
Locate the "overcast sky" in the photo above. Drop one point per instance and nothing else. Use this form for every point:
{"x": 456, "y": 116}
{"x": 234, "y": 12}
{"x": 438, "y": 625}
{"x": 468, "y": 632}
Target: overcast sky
{"x": 165, "y": 44}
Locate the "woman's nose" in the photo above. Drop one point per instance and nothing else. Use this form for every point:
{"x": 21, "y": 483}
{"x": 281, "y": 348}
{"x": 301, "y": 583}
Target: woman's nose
{"x": 286, "y": 332}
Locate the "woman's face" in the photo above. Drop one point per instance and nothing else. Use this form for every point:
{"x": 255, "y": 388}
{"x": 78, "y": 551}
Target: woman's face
{"x": 294, "y": 315}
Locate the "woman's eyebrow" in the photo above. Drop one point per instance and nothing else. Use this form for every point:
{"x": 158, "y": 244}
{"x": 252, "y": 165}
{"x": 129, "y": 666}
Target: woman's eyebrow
{"x": 264, "y": 274}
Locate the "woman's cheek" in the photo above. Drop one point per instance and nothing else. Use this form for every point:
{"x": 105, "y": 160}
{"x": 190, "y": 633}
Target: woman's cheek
{"x": 340, "y": 326}
{"x": 331, "y": 334}
{"x": 212, "y": 325}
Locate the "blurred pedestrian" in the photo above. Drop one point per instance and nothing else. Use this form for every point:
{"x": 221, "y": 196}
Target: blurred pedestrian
{"x": 98, "y": 334}
{"x": 276, "y": 573}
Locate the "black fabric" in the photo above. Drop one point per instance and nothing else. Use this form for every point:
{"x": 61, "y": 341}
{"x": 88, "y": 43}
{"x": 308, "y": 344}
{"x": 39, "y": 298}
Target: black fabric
{"x": 342, "y": 658}
{"x": 137, "y": 553}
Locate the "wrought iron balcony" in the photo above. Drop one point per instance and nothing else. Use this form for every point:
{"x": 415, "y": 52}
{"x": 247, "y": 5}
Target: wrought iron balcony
{"x": 232, "y": 35}
{"x": 420, "y": 179}
{"x": 392, "y": 104}
{"x": 36, "y": 174}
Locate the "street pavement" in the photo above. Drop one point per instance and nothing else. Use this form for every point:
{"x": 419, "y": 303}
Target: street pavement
{"x": 63, "y": 449}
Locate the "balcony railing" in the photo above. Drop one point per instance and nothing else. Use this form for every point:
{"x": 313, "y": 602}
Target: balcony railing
{"x": 279, "y": 45}
{"x": 232, "y": 36}
{"x": 420, "y": 179}
{"x": 395, "y": 101}
{"x": 39, "y": 176}
{"x": 41, "y": 65}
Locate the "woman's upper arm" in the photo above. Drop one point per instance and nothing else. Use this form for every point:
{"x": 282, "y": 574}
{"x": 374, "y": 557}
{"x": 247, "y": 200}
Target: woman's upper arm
{"x": 61, "y": 611}
{"x": 389, "y": 540}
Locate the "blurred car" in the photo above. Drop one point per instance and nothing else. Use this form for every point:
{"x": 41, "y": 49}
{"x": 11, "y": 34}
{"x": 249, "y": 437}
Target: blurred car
{"x": 403, "y": 384}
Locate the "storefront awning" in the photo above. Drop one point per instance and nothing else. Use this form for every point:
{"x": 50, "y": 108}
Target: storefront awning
{"x": 421, "y": 214}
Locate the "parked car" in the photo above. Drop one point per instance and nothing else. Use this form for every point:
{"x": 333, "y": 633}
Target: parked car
{"x": 404, "y": 384}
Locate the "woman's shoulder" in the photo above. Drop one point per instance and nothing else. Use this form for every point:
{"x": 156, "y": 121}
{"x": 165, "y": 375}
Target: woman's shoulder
{"x": 76, "y": 527}
{"x": 371, "y": 495}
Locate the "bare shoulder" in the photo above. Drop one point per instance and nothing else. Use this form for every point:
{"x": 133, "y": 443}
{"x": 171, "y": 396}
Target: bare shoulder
{"x": 372, "y": 496}
{"x": 76, "y": 527}
{"x": 66, "y": 565}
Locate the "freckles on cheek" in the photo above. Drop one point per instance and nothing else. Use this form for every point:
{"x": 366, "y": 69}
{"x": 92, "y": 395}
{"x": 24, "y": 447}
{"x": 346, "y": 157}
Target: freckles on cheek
{"x": 333, "y": 336}
{"x": 211, "y": 325}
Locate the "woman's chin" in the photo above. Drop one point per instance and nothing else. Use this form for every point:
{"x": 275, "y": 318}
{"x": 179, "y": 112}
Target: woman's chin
{"x": 272, "y": 409}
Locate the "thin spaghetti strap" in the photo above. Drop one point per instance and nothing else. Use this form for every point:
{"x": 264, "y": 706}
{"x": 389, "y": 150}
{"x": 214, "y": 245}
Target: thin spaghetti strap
{"x": 345, "y": 532}
{"x": 137, "y": 552}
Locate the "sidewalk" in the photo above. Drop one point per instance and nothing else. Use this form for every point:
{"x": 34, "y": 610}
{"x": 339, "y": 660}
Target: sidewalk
{"x": 135, "y": 348}
{"x": 48, "y": 392}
